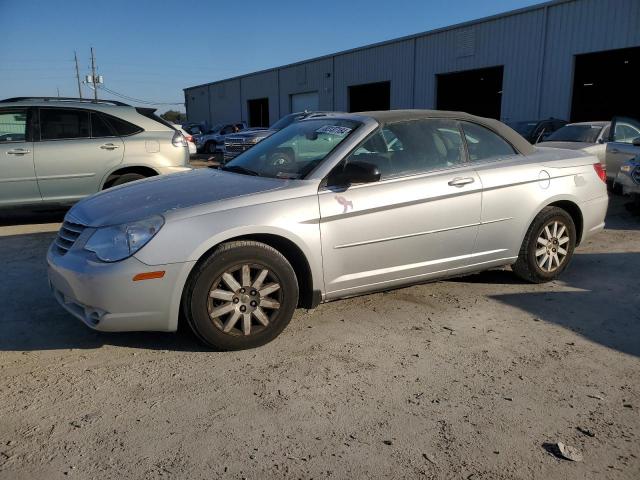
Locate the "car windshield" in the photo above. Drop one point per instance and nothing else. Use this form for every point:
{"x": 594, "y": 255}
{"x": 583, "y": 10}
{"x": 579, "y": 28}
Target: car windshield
{"x": 285, "y": 121}
{"x": 575, "y": 133}
{"x": 523, "y": 128}
{"x": 294, "y": 151}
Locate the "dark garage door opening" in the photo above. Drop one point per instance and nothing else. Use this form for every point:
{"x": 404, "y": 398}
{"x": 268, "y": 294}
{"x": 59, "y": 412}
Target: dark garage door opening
{"x": 478, "y": 92}
{"x": 606, "y": 84}
{"x": 258, "y": 112}
{"x": 370, "y": 96}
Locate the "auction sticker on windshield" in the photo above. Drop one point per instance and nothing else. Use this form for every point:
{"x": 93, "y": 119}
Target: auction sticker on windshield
{"x": 334, "y": 130}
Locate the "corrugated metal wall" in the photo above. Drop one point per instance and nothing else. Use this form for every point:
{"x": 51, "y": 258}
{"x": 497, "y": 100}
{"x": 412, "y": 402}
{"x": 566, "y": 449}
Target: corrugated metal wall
{"x": 314, "y": 76}
{"x": 596, "y": 25}
{"x": 536, "y": 46}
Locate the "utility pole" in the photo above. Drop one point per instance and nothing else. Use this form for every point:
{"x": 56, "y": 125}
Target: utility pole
{"x": 75, "y": 56}
{"x": 94, "y": 76}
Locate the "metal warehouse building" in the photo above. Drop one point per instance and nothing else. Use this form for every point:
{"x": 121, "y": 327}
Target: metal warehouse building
{"x": 569, "y": 59}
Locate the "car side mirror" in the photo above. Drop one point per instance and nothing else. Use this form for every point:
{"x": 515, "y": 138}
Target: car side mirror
{"x": 636, "y": 142}
{"x": 354, "y": 173}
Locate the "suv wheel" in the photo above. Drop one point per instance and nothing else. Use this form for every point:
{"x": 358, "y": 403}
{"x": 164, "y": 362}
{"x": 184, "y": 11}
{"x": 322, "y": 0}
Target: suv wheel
{"x": 547, "y": 247}
{"x": 242, "y": 296}
{"x": 125, "y": 178}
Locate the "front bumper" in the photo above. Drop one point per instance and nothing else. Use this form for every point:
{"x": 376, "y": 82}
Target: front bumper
{"x": 105, "y": 297}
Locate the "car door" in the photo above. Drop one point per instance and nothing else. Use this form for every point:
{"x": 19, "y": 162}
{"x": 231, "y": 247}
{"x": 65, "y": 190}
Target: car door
{"x": 511, "y": 191}
{"x": 76, "y": 148}
{"x": 18, "y": 183}
{"x": 421, "y": 218}
{"x": 624, "y": 144}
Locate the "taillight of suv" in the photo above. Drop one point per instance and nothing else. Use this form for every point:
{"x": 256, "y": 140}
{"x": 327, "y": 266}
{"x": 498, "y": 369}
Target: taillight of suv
{"x": 178, "y": 140}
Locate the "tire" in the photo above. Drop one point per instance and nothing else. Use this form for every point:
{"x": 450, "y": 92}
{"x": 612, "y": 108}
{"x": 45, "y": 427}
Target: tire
{"x": 212, "y": 304}
{"x": 126, "y": 178}
{"x": 210, "y": 147}
{"x": 540, "y": 269}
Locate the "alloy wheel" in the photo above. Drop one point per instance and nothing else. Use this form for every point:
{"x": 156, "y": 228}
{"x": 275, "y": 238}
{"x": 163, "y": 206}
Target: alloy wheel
{"x": 551, "y": 248}
{"x": 244, "y": 299}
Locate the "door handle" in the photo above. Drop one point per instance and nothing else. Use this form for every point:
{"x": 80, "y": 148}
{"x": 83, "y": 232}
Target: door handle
{"x": 109, "y": 146}
{"x": 18, "y": 151}
{"x": 461, "y": 181}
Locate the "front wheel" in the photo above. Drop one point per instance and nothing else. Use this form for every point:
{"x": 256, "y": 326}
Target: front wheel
{"x": 242, "y": 296}
{"x": 547, "y": 247}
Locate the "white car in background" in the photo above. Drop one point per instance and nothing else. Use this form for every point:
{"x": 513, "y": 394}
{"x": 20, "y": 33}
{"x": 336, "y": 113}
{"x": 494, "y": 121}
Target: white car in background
{"x": 587, "y": 136}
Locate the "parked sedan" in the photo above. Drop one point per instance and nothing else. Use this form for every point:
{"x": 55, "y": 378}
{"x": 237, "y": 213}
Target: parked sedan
{"x": 587, "y": 136}
{"x": 367, "y": 202}
{"x": 537, "y": 130}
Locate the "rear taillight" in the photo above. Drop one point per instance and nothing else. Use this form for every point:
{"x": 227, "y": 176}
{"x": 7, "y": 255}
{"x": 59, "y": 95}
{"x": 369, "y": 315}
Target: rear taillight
{"x": 601, "y": 171}
{"x": 188, "y": 138}
{"x": 178, "y": 140}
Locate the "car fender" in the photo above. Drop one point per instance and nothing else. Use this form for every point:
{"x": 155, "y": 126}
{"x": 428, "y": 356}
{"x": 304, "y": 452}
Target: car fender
{"x": 209, "y": 244}
{"x": 548, "y": 201}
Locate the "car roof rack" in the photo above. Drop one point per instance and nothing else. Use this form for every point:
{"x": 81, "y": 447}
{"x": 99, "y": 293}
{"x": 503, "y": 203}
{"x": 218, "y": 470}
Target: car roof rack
{"x": 65, "y": 99}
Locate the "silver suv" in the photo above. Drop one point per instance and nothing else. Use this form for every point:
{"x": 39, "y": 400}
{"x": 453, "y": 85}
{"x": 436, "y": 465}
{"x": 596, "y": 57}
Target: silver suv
{"x": 59, "y": 150}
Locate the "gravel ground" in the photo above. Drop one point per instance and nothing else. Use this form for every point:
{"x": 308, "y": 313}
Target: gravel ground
{"x": 471, "y": 378}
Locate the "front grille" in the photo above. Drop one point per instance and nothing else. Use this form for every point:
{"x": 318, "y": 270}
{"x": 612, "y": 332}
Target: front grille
{"x": 236, "y": 147}
{"x": 635, "y": 175}
{"x": 67, "y": 236}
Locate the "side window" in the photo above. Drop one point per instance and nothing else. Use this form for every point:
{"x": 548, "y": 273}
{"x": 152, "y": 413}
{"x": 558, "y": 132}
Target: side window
{"x": 122, "y": 128}
{"x": 99, "y": 127}
{"x": 13, "y": 126}
{"x": 625, "y": 132}
{"x": 60, "y": 124}
{"x": 413, "y": 147}
{"x": 483, "y": 144}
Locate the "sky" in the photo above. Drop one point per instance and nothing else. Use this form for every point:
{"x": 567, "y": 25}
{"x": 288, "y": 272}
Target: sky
{"x": 151, "y": 49}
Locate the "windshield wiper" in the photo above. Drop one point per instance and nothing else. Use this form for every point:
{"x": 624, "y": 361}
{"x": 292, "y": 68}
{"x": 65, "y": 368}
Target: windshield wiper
{"x": 239, "y": 169}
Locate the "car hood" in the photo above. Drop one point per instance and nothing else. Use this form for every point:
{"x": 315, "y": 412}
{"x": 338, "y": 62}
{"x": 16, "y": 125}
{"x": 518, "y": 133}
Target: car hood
{"x": 161, "y": 194}
{"x": 567, "y": 145}
{"x": 264, "y": 132}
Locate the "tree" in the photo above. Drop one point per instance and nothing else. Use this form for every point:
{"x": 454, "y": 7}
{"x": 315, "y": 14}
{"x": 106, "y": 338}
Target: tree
{"x": 174, "y": 116}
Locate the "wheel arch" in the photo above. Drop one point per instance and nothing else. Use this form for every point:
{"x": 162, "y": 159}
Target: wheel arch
{"x": 569, "y": 205}
{"x": 575, "y": 213}
{"x": 309, "y": 294}
{"x": 121, "y": 170}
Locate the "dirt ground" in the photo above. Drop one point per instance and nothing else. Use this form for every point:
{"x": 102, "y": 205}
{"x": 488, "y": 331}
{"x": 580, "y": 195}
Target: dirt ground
{"x": 472, "y": 378}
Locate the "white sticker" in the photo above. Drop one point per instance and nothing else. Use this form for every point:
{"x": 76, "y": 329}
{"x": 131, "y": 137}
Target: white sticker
{"x": 334, "y": 130}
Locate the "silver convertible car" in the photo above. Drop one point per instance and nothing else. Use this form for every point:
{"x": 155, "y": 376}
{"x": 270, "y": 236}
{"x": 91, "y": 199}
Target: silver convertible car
{"x": 327, "y": 208}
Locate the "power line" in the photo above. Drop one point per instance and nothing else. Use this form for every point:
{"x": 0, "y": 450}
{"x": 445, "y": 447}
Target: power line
{"x": 137, "y": 100}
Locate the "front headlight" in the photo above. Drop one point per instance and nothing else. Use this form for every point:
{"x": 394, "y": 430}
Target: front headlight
{"x": 626, "y": 168}
{"x": 118, "y": 242}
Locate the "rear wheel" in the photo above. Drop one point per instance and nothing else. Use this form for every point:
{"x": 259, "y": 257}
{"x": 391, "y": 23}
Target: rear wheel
{"x": 125, "y": 178}
{"x": 547, "y": 247}
{"x": 242, "y": 296}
